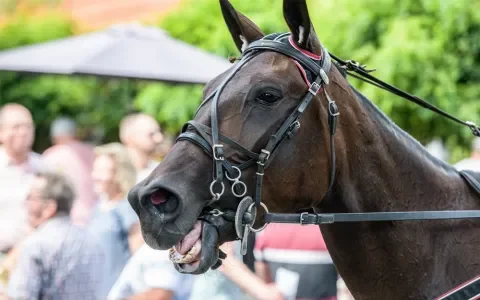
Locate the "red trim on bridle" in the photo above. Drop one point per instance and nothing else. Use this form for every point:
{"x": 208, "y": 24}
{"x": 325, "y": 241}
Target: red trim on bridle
{"x": 307, "y": 53}
{"x": 302, "y": 70}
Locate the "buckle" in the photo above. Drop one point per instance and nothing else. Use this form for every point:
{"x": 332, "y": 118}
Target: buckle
{"x": 333, "y": 109}
{"x": 475, "y": 129}
{"x": 262, "y": 162}
{"x": 267, "y": 153}
{"x": 302, "y": 218}
{"x": 215, "y": 152}
{"x": 314, "y": 88}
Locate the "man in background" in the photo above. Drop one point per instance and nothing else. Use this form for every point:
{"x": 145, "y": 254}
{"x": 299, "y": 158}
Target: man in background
{"x": 17, "y": 164}
{"x": 296, "y": 259}
{"x": 74, "y": 159}
{"x": 473, "y": 162}
{"x": 142, "y": 135}
{"x": 58, "y": 260}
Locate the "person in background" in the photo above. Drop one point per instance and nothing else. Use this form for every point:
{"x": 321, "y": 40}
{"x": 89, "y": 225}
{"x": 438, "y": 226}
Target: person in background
{"x": 17, "y": 165}
{"x": 233, "y": 280}
{"x": 150, "y": 275}
{"x": 473, "y": 162}
{"x": 296, "y": 258}
{"x": 141, "y": 134}
{"x": 74, "y": 159}
{"x": 113, "y": 220}
{"x": 58, "y": 260}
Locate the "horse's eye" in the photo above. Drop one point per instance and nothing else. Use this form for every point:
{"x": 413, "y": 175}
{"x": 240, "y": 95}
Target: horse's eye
{"x": 267, "y": 97}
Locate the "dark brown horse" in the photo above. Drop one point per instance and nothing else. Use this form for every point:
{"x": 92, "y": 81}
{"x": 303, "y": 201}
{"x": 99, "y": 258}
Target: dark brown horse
{"x": 379, "y": 168}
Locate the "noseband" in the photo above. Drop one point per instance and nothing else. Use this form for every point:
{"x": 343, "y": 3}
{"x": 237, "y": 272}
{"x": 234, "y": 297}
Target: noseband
{"x": 208, "y": 138}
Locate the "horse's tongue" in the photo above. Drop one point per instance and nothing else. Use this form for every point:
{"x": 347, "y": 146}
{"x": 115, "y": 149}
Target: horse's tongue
{"x": 189, "y": 240}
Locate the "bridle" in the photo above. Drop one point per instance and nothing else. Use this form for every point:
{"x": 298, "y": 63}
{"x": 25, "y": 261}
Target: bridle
{"x": 209, "y": 138}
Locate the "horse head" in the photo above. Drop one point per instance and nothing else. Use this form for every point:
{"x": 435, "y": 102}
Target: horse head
{"x": 262, "y": 135}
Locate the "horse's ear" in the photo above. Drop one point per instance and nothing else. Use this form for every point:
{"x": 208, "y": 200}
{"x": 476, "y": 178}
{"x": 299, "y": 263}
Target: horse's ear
{"x": 298, "y": 20}
{"x": 242, "y": 29}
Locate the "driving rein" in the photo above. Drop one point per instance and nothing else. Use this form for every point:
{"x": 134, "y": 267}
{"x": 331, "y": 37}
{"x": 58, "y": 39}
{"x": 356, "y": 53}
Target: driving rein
{"x": 314, "y": 69}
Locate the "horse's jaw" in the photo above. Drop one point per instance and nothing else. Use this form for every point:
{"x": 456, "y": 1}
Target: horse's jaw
{"x": 198, "y": 251}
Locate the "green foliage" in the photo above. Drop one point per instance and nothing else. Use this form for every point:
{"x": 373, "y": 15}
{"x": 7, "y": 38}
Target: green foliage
{"x": 171, "y": 104}
{"x": 430, "y": 48}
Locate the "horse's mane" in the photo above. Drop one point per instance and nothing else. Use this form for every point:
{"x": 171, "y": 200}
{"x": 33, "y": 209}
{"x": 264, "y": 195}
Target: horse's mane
{"x": 402, "y": 136}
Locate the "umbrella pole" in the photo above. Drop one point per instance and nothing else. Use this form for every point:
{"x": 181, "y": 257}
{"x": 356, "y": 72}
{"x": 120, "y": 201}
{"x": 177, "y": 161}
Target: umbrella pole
{"x": 127, "y": 94}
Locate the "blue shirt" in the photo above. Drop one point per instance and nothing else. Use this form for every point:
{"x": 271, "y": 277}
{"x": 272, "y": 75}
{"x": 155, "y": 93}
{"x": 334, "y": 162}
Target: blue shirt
{"x": 214, "y": 285}
{"x": 111, "y": 227}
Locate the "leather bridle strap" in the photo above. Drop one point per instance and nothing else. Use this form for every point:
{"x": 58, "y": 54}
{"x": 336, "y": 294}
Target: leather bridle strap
{"x": 277, "y": 138}
{"x": 317, "y": 219}
{"x": 203, "y": 142}
{"x": 292, "y": 121}
{"x": 217, "y": 148}
{"x": 365, "y": 76}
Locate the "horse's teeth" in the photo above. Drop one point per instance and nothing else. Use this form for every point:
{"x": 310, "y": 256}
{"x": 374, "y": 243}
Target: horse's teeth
{"x": 185, "y": 259}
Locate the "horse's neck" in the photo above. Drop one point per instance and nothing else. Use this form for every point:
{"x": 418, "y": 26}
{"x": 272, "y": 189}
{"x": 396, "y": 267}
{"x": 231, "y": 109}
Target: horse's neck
{"x": 381, "y": 168}
{"x": 386, "y": 169}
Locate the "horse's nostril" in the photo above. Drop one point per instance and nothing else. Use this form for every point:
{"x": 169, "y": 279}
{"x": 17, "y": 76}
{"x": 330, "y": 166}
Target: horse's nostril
{"x": 161, "y": 200}
{"x": 159, "y": 197}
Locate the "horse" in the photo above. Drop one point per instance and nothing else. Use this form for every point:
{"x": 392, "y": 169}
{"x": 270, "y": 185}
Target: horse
{"x": 329, "y": 150}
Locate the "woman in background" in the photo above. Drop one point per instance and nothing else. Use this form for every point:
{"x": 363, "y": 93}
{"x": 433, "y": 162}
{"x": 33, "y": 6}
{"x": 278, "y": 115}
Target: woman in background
{"x": 113, "y": 220}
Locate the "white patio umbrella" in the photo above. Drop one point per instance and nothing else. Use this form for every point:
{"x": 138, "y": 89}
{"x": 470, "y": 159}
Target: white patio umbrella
{"x": 122, "y": 51}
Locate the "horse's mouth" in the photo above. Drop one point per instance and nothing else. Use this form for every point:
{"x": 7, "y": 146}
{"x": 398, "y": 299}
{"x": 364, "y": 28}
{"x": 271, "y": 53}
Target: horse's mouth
{"x": 198, "y": 251}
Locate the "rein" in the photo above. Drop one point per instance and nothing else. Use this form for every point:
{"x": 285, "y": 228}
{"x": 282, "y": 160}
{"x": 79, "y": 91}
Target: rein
{"x": 350, "y": 65}
{"x": 209, "y": 138}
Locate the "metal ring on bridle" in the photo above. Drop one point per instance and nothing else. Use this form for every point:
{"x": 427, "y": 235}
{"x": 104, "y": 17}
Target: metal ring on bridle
{"x": 236, "y": 178}
{"x": 217, "y": 195}
{"x": 243, "y": 185}
{"x": 250, "y": 225}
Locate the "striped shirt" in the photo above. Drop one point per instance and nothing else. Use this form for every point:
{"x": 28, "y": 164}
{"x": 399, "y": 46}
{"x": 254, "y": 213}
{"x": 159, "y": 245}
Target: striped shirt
{"x": 58, "y": 261}
{"x": 299, "y": 249}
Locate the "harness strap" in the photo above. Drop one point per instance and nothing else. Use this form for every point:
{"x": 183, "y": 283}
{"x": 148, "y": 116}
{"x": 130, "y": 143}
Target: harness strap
{"x": 317, "y": 219}
{"x": 355, "y": 67}
{"x": 200, "y": 127}
{"x": 217, "y": 149}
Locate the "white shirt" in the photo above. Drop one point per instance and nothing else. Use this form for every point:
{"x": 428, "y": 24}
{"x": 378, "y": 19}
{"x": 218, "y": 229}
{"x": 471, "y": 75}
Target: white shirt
{"x": 15, "y": 183}
{"x": 468, "y": 164}
{"x": 148, "y": 269}
{"x": 142, "y": 174}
